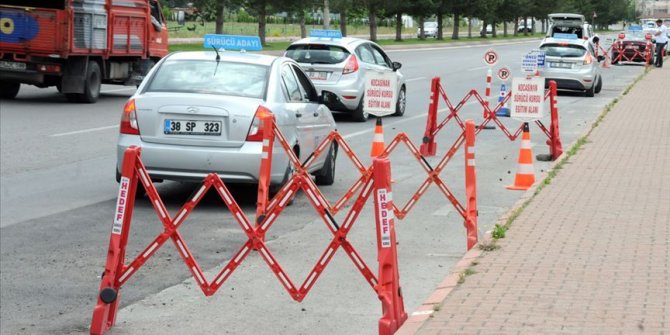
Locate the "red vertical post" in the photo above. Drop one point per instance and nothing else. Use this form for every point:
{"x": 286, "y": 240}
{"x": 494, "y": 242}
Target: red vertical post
{"x": 104, "y": 312}
{"x": 470, "y": 185}
{"x": 555, "y": 146}
{"x": 388, "y": 288}
{"x": 265, "y": 174}
{"x": 429, "y": 147}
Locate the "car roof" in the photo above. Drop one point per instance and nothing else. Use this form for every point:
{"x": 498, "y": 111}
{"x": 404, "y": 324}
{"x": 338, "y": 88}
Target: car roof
{"x": 579, "y": 41}
{"x": 559, "y": 16}
{"x": 344, "y": 41}
{"x": 225, "y": 56}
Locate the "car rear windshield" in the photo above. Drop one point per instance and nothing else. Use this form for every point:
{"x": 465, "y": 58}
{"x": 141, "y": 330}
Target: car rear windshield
{"x": 317, "y": 53}
{"x": 210, "y": 77}
{"x": 558, "y": 50}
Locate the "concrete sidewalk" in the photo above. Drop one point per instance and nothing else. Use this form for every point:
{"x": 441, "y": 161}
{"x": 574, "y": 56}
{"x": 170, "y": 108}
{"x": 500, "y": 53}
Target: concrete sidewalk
{"x": 590, "y": 254}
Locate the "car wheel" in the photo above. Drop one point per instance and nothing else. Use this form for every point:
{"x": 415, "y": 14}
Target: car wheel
{"x": 599, "y": 85}
{"x": 9, "y": 90}
{"x": 401, "y": 104}
{"x": 326, "y": 176}
{"x": 590, "y": 92}
{"x": 359, "y": 114}
{"x": 92, "y": 84}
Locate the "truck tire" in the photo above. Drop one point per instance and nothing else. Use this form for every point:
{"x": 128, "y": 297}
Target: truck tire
{"x": 92, "y": 84}
{"x": 9, "y": 90}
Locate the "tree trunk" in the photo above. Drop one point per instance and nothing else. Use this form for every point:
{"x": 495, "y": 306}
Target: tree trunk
{"x": 469, "y": 27}
{"x": 493, "y": 29}
{"x": 525, "y": 26}
{"x": 303, "y": 29}
{"x": 372, "y": 18}
{"x": 422, "y": 32}
{"x": 439, "y": 26}
{"x": 343, "y": 21}
{"x": 505, "y": 28}
{"x": 482, "y": 33}
{"x": 398, "y": 26}
{"x": 454, "y": 34}
{"x": 261, "y": 21}
{"x": 219, "y": 17}
{"x": 326, "y": 14}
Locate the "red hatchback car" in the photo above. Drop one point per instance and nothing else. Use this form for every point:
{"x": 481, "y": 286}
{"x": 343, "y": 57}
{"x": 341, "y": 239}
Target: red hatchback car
{"x": 633, "y": 47}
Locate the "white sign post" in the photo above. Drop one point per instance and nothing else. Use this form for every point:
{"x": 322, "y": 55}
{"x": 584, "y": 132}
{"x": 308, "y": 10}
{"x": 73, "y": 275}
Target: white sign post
{"x": 381, "y": 90}
{"x": 527, "y": 99}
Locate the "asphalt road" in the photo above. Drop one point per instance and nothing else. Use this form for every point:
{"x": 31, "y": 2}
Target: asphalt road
{"x": 58, "y": 196}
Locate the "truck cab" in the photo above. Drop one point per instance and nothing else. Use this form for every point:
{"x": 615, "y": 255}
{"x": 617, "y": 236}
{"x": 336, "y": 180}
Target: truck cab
{"x": 77, "y": 45}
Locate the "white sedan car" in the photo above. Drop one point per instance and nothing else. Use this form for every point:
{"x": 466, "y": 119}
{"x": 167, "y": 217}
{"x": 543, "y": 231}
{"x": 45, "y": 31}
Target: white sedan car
{"x": 195, "y": 113}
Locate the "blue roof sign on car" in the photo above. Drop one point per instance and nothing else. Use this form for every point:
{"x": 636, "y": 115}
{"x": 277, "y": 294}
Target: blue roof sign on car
{"x": 634, "y": 28}
{"x": 325, "y": 33}
{"x": 233, "y": 42}
{"x": 563, "y": 36}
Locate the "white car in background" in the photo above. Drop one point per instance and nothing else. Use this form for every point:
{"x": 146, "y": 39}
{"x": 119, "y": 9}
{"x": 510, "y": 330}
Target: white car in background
{"x": 429, "y": 30}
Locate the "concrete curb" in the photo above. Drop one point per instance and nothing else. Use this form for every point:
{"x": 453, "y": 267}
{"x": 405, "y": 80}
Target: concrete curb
{"x": 418, "y": 318}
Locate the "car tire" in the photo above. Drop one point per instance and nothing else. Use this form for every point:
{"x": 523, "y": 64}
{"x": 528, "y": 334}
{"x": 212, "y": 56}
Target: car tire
{"x": 590, "y": 92}
{"x": 359, "y": 114}
{"x": 599, "y": 85}
{"x": 401, "y": 103}
{"x": 9, "y": 90}
{"x": 326, "y": 176}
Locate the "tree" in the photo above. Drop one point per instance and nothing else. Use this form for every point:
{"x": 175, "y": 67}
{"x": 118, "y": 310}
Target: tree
{"x": 420, "y": 9}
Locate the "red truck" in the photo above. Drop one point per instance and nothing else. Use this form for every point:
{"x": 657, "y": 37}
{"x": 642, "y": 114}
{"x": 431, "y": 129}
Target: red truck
{"x": 77, "y": 45}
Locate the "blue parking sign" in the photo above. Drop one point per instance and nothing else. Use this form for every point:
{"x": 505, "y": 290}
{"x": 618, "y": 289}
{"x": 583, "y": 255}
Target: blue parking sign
{"x": 233, "y": 42}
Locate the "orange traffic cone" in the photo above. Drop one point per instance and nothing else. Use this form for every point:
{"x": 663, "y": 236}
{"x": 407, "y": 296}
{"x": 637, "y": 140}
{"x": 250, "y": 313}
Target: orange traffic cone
{"x": 525, "y": 173}
{"x": 378, "y": 140}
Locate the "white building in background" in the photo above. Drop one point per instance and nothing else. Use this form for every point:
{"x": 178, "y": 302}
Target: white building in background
{"x": 659, "y": 9}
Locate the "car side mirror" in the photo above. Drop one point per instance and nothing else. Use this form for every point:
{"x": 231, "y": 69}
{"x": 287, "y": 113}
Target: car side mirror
{"x": 396, "y": 66}
{"x": 601, "y": 58}
{"x": 327, "y": 98}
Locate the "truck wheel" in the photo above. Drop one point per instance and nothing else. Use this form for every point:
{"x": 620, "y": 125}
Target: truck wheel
{"x": 92, "y": 84}
{"x": 9, "y": 90}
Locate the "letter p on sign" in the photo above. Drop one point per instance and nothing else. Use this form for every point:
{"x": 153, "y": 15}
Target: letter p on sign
{"x": 490, "y": 57}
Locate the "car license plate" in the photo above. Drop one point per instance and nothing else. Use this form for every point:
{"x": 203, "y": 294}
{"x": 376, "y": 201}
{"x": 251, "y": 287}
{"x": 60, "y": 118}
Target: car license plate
{"x": 317, "y": 75}
{"x": 561, "y": 65}
{"x": 12, "y": 66}
{"x": 191, "y": 127}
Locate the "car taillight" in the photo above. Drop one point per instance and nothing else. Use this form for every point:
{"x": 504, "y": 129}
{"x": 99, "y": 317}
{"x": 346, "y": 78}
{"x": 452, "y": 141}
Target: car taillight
{"x": 256, "y": 130}
{"x": 588, "y": 59}
{"x": 352, "y": 65}
{"x": 129, "y": 119}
